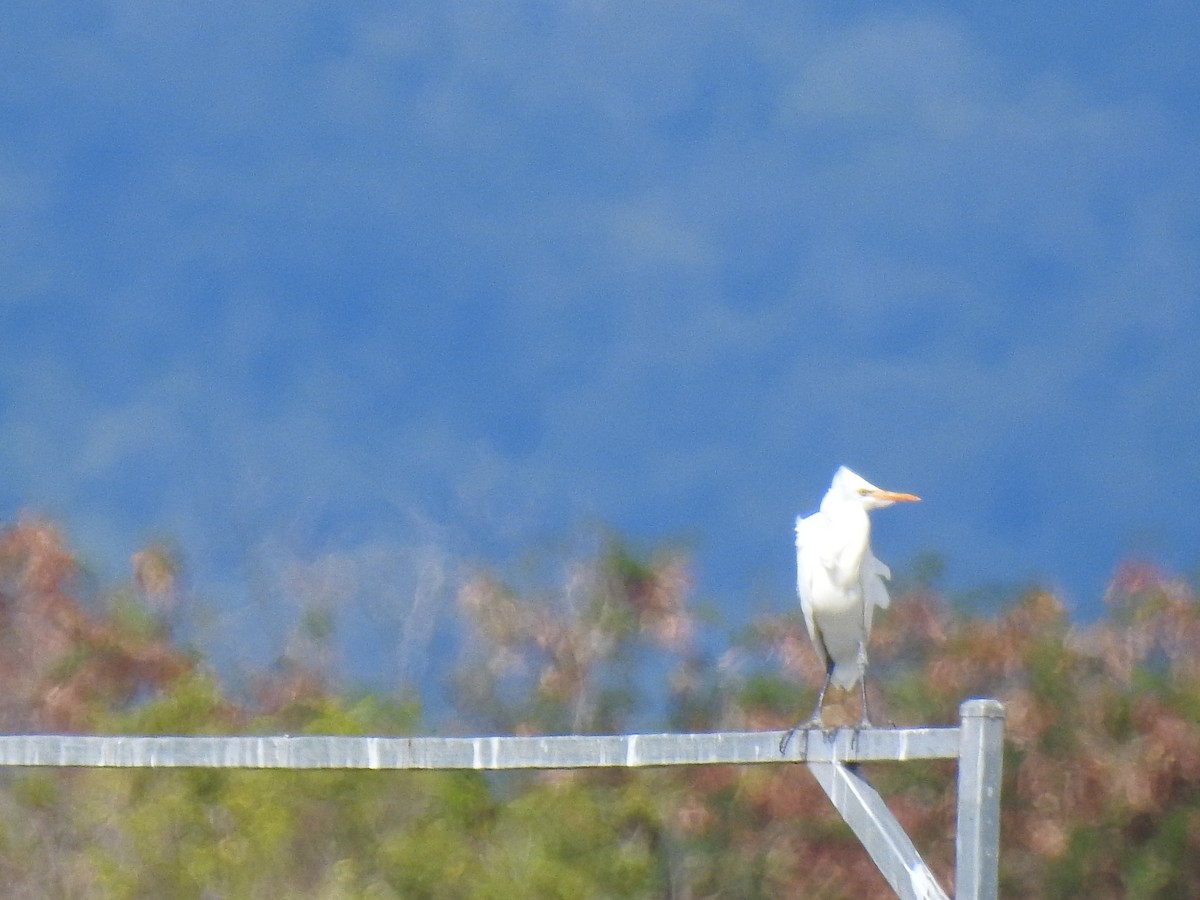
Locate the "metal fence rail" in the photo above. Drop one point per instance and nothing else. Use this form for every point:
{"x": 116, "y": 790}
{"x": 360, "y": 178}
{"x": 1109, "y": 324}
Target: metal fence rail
{"x": 831, "y": 757}
{"x": 557, "y": 752}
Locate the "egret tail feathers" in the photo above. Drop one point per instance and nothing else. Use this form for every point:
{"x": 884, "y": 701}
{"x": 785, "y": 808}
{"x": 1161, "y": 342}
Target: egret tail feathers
{"x": 846, "y": 674}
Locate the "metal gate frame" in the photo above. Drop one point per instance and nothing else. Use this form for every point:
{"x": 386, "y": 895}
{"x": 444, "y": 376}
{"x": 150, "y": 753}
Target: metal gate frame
{"x": 832, "y": 757}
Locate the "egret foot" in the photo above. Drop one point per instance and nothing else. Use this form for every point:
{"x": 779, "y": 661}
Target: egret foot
{"x": 865, "y": 724}
{"x": 813, "y": 721}
{"x": 787, "y": 737}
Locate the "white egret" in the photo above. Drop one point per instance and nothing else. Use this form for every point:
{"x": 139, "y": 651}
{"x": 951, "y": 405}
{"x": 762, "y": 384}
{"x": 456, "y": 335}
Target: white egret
{"x": 840, "y": 582}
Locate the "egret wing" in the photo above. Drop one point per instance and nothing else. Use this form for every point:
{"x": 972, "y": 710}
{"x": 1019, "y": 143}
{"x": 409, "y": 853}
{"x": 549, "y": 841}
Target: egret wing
{"x": 808, "y": 561}
{"x": 875, "y": 573}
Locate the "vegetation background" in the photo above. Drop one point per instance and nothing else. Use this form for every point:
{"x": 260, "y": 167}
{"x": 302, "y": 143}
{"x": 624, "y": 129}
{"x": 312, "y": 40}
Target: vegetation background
{"x": 1102, "y": 763}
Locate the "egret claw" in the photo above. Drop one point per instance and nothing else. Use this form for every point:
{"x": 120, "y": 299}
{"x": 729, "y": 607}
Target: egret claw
{"x": 809, "y": 723}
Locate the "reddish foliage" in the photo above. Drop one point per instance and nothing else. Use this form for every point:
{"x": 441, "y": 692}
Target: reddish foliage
{"x": 57, "y": 659}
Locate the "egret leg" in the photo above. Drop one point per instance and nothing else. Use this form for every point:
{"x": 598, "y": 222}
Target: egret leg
{"x": 865, "y": 721}
{"x": 813, "y": 721}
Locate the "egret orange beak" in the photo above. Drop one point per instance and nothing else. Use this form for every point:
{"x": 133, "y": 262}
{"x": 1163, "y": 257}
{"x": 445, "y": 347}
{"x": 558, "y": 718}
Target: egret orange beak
{"x": 895, "y": 496}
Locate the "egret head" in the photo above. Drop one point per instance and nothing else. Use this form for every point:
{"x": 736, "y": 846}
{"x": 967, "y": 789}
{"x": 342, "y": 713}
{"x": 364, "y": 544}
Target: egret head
{"x": 850, "y": 487}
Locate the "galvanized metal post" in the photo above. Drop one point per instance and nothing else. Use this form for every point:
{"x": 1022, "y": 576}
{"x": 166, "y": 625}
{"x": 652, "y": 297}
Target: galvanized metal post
{"x": 980, "y": 762}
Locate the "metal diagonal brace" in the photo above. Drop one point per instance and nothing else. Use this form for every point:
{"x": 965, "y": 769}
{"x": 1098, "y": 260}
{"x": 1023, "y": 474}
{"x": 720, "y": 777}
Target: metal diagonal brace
{"x": 980, "y": 761}
{"x": 880, "y": 833}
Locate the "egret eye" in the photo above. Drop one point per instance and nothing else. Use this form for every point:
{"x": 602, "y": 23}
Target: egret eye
{"x": 864, "y": 491}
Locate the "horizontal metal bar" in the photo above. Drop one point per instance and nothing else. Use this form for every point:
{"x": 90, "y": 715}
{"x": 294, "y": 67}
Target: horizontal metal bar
{"x": 510, "y": 752}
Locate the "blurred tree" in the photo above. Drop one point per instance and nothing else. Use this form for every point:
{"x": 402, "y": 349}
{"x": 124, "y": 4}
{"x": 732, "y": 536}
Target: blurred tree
{"x": 1102, "y": 778}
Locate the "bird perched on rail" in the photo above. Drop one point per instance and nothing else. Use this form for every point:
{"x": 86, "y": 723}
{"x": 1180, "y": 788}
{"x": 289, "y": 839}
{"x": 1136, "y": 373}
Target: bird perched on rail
{"x": 840, "y": 582}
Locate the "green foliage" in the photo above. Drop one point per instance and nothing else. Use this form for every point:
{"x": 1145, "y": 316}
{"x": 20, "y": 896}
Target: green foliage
{"x": 772, "y": 694}
{"x": 194, "y": 704}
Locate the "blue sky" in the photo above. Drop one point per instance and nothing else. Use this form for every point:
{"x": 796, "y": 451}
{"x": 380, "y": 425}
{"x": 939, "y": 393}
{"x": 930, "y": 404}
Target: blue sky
{"x": 359, "y": 293}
